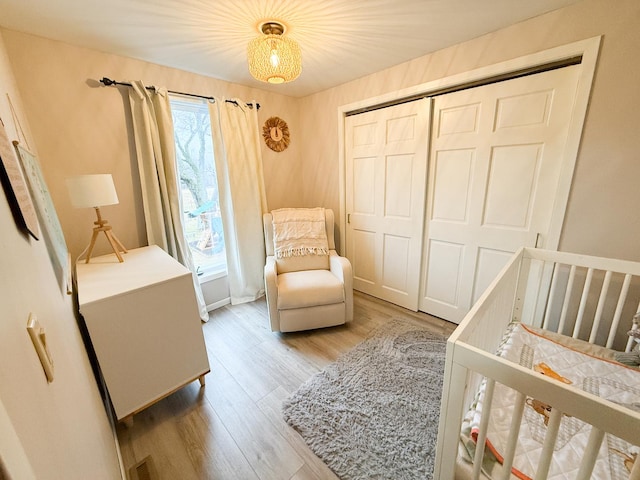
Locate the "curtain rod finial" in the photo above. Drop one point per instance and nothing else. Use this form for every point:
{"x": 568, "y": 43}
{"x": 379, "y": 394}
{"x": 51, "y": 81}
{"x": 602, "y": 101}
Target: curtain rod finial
{"x": 107, "y": 81}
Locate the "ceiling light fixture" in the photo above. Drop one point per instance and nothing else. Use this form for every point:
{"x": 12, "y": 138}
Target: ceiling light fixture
{"x": 274, "y": 58}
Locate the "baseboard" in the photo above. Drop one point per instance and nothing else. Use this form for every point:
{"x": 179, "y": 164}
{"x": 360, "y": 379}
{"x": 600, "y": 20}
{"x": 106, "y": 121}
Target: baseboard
{"x": 114, "y": 431}
{"x": 218, "y": 304}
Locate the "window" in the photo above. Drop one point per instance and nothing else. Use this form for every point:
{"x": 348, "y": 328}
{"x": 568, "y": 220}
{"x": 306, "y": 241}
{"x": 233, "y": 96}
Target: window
{"x": 198, "y": 185}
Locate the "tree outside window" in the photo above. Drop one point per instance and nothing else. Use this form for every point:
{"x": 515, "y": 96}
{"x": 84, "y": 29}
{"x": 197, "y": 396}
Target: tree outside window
{"x": 198, "y": 184}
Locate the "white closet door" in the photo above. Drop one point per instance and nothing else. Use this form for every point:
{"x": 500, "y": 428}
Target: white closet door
{"x": 386, "y": 166}
{"x": 496, "y": 157}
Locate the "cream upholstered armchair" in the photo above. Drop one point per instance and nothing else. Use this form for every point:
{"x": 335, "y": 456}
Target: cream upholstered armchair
{"x": 306, "y": 287}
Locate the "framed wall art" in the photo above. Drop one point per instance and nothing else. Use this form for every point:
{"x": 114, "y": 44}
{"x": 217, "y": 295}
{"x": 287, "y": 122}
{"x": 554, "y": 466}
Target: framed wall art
{"x": 47, "y": 216}
{"x": 16, "y": 188}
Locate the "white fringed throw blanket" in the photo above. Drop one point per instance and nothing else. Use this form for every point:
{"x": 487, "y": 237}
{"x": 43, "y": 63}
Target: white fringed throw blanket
{"x": 299, "y": 231}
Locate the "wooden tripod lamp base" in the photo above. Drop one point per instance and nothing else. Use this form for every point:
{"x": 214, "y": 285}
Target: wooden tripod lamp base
{"x": 95, "y": 191}
{"x": 101, "y": 226}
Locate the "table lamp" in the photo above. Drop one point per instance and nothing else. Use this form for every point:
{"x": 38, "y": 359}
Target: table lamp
{"x": 96, "y": 191}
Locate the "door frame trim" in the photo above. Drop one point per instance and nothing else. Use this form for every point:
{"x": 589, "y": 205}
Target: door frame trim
{"x": 588, "y": 49}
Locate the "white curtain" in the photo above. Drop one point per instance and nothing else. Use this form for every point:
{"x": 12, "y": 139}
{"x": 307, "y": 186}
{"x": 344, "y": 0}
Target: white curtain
{"x": 155, "y": 149}
{"x": 236, "y": 140}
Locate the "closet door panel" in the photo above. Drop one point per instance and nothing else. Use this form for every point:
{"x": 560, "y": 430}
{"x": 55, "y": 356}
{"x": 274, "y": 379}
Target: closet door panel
{"x": 386, "y": 165}
{"x": 495, "y": 161}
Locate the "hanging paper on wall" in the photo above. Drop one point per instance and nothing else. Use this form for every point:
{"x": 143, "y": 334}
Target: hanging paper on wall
{"x": 46, "y": 212}
{"x": 15, "y": 187}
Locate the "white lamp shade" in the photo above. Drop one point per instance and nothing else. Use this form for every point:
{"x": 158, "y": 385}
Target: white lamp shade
{"x": 92, "y": 190}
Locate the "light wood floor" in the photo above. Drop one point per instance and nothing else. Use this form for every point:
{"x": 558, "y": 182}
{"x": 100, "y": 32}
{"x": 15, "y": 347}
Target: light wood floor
{"x": 233, "y": 428}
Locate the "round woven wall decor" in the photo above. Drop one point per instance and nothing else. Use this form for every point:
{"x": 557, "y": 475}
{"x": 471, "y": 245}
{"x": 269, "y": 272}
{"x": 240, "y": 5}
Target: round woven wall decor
{"x": 276, "y": 134}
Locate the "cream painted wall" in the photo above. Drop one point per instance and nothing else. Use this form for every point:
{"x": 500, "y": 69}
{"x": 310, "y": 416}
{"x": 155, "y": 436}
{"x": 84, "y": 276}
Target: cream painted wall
{"x": 59, "y": 86}
{"x": 83, "y": 127}
{"x": 54, "y": 430}
{"x": 602, "y": 216}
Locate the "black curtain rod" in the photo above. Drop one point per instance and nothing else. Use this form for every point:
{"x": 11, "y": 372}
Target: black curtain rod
{"x": 108, "y": 82}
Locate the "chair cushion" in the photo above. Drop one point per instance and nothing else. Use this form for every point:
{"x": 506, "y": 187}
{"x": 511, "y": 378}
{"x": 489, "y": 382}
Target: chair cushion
{"x": 308, "y": 288}
{"x": 302, "y": 262}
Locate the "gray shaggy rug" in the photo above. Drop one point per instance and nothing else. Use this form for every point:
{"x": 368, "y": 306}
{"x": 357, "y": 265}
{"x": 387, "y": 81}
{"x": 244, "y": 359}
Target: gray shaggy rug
{"x": 374, "y": 412}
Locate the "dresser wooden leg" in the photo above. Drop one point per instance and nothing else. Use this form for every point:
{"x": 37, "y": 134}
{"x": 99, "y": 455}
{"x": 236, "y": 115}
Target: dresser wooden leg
{"x": 128, "y": 421}
{"x": 201, "y": 380}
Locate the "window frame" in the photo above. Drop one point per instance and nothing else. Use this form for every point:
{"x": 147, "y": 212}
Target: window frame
{"x": 182, "y": 103}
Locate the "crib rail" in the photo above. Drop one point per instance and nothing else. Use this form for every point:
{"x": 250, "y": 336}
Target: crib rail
{"x": 590, "y": 298}
{"x": 478, "y": 327}
{"x": 574, "y": 294}
{"x": 607, "y": 416}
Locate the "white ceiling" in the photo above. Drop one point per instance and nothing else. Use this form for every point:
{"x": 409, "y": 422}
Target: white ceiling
{"x": 341, "y": 40}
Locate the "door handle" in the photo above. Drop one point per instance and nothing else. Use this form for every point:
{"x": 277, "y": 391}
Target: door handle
{"x": 538, "y": 236}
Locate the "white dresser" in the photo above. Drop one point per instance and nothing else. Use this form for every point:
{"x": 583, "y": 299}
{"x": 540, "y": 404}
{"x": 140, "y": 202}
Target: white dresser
{"x": 142, "y": 317}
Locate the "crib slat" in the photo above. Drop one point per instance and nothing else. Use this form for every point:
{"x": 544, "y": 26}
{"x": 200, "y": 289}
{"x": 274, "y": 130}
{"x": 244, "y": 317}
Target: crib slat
{"x": 552, "y": 294}
{"x": 618, "y": 313}
{"x": 583, "y": 303}
{"x": 516, "y": 421}
{"x": 484, "y": 425}
{"x": 590, "y": 454}
{"x": 598, "y": 316}
{"x": 549, "y": 441}
{"x": 567, "y": 298}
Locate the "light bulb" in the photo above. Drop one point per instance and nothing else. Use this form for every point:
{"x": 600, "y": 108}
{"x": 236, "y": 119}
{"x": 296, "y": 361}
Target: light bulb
{"x": 274, "y": 59}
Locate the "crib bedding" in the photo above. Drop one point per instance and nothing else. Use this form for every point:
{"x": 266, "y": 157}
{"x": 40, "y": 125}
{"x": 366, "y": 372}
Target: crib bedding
{"x": 585, "y": 366}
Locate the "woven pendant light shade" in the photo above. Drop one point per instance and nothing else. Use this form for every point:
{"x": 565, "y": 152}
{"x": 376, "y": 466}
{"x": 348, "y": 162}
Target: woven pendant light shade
{"x": 272, "y": 57}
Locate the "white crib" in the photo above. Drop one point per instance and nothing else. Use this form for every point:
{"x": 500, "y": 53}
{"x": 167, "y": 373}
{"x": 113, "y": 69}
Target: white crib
{"x": 591, "y": 298}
